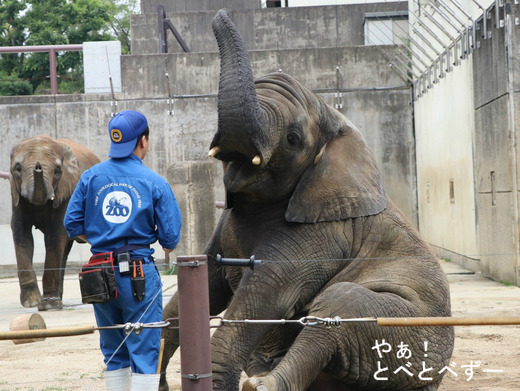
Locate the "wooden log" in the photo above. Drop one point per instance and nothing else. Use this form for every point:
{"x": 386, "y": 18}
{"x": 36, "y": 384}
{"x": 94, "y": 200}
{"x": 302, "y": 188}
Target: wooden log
{"x": 27, "y": 322}
{"x": 448, "y": 321}
{"x": 46, "y": 333}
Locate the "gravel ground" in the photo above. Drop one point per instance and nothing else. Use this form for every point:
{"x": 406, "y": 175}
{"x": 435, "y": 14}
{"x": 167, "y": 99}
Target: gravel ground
{"x": 76, "y": 363}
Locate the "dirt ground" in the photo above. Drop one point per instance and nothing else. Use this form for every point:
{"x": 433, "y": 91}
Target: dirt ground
{"x": 75, "y": 363}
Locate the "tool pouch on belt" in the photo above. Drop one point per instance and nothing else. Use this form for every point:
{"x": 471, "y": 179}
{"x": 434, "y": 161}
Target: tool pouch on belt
{"x": 138, "y": 279}
{"x": 97, "y": 280}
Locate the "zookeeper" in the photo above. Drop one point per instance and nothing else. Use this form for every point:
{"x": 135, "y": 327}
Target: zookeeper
{"x": 121, "y": 207}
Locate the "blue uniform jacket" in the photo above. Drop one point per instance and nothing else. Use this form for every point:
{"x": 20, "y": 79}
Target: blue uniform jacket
{"x": 121, "y": 201}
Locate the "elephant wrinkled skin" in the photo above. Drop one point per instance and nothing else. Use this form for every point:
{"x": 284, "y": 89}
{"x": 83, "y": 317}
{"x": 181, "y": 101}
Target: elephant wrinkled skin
{"x": 44, "y": 173}
{"x": 304, "y": 195}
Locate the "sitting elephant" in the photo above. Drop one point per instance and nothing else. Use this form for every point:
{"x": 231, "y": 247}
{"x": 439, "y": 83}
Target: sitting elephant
{"x": 304, "y": 195}
{"x": 44, "y": 173}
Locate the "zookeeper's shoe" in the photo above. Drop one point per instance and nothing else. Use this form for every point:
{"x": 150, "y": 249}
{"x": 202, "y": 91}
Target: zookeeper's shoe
{"x": 142, "y": 382}
{"x": 118, "y": 380}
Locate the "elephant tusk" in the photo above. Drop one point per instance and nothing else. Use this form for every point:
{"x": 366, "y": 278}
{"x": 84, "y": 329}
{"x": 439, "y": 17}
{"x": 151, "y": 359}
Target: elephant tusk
{"x": 257, "y": 160}
{"x": 52, "y": 198}
{"x": 213, "y": 151}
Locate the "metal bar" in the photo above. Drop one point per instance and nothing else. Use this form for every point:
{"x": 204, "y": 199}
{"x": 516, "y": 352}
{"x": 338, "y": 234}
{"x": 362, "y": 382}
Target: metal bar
{"x": 497, "y": 14}
{"x": 161, "y": 15}
{"x": 399, "y": 71}
{"x": 465, "y": 33}
{"x": 426, "y": 41}
{"x": 484, "y": 19}
{"x": 451, "y": 12}
{"x": 170, "y": 25}
{"x": 410, "y": 69}
{"x": 474, "y": 43}
{"x": 448, "y": 19}
{"x": 429, "y": 31}
{"x": 164, "y": 24}
{"x": 386, "y": 35}
{"x": 54, "y": 76}
{"x": 413, "y": 41}
{"x": 438, "y": 25}
{"x": 40, "y": 48}
{"x": 452, "y": 38}
{"x": 441, "y": 70}
{"x": 170, "y": 100}
{"x": 461, "y": 10}
{"x": 194, "y": 330}
{"x": 52, "y": 49}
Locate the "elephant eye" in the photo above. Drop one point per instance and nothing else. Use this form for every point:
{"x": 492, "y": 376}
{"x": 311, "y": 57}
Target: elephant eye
{"x": 293, "y": 138}
{"x": 57, "y": 171}
{"x": 17, "y": 168}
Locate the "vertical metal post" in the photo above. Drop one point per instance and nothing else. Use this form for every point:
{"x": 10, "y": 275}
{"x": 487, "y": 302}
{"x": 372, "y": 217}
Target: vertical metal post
{"x": 163, "y": 43}
{"x": 194, "y": 334}
{"x": 54, "y": 76}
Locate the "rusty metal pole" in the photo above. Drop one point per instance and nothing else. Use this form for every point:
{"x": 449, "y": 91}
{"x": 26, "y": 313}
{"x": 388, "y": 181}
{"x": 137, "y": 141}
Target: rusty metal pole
{"x": 194, "y": 330}
{"x": 54, "y": 74}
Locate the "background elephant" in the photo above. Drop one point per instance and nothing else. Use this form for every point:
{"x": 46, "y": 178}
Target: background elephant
{"x": 305, "y": 196}
{"x": 44, "y": 173}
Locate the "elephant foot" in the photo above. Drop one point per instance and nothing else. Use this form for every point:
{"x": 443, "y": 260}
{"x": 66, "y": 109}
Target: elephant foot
{"x": 260, "y": 384}
{"x": 30, "y": 294}
{"x": 49, "y": 303}
{"x": 163, "y": 385}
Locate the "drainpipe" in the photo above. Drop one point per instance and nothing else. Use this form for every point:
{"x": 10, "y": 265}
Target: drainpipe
{"x": 52, "y": 49}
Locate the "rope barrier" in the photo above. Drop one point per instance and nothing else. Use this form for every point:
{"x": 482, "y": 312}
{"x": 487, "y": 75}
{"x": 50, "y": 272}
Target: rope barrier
{"x": 328, "y": 322}
{"x": 384, "y": 322}
{"x": 79, "y": 330}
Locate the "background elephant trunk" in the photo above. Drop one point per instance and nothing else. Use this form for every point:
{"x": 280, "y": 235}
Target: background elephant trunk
{"x": 241, "y": 122}
{"x": 40, "y": 193}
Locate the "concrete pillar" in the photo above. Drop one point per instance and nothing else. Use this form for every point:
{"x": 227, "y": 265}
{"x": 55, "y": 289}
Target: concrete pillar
{"x": 193, "y": 185}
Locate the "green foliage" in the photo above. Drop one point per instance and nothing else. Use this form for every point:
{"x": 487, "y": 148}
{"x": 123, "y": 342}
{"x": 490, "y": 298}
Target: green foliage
{"x": 59, "y": 22}
{"x": 11, "y": 85}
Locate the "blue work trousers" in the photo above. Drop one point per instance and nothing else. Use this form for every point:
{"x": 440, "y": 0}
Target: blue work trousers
{"x": 140, "y": 352}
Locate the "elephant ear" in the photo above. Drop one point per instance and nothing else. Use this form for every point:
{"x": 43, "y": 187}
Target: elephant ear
{"x": 71, "y": 173}
{"x": 343, "y": 183}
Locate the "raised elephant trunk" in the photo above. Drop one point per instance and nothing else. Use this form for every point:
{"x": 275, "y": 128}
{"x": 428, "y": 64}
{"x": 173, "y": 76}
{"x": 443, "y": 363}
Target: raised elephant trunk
{"x": 241, "y": 122}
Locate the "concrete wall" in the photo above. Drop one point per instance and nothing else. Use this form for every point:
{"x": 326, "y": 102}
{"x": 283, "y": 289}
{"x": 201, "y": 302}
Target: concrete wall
{"x": 360, "y": 67}
{"x": 445, "y": 123}
{"x": 182, "y": 114}
{"x": 268, "y": 28}
{"x": 384, "y": 117}
{"x": 497, "y": 113}
{"x": 467, "y": 132}
{"x": 150, "y": 6}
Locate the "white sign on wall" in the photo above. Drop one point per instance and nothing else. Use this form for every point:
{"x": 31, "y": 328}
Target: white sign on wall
{"x": 102, "y": 65}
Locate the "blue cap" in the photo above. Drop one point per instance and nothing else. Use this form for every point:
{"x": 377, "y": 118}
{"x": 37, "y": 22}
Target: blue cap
{"x": 124, "y": 129}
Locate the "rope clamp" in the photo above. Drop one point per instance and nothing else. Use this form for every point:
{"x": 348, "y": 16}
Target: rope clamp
{"x": 192, "y": 263}
{"x": 196, "y": 376}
